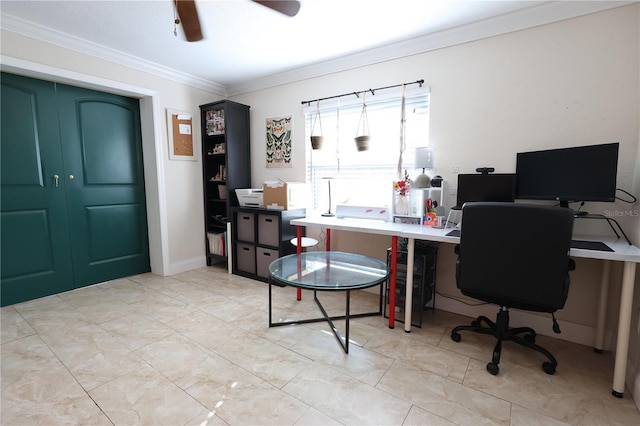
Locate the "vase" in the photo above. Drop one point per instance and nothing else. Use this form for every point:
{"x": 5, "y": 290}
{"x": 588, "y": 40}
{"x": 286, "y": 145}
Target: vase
{"x": 402, "y": 205}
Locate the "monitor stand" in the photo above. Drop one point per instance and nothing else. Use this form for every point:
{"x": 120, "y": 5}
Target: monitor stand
{"x": 565, "y": 204}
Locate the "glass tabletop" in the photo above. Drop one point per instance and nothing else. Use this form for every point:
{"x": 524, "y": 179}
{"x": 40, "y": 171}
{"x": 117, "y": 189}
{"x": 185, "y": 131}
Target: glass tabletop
{"x": 328, "y": 270}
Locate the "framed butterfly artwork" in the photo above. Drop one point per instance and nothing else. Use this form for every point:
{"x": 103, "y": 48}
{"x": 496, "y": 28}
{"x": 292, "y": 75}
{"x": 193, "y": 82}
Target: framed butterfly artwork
{"x": 279, "y": 141}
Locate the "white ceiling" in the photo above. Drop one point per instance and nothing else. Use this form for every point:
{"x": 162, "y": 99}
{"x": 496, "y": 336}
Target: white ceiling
{"x": 247, "y": 46}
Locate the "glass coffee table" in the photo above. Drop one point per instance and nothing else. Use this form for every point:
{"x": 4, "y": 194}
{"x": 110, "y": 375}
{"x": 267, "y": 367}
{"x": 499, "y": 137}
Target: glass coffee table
{"x": 328, "y": 271}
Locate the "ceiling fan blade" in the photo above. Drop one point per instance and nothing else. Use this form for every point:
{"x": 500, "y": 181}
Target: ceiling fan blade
{"x": 189, "y": 20}
{"x": 287, "y": 7}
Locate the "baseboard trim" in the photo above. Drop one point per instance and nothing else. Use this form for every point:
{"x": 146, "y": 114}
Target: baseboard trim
{"x": 186, "y": 265}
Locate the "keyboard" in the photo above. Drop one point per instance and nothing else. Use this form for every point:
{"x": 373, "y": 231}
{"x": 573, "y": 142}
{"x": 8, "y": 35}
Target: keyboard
{"x": 590, "y": 245}
{"x": 454, "y": 233}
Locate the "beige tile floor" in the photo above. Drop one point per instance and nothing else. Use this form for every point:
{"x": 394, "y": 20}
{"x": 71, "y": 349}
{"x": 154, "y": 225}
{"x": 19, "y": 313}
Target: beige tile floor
{"x": 195, "y": 349}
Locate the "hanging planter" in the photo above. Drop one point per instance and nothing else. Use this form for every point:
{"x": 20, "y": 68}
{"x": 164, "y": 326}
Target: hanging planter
{"x": 316, "y": 141}
{"x": 362, "y": 140}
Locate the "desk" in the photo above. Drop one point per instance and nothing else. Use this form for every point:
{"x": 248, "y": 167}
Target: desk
{"x": 622, "y": 252}
{"x": 328, "y": 271}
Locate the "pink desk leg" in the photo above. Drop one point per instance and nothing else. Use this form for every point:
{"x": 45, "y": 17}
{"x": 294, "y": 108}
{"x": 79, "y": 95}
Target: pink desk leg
{"x": 392, "y": 282}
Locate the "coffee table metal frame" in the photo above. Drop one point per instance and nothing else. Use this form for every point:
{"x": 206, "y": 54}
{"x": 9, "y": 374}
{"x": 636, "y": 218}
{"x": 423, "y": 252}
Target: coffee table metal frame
{"x": 342, "y": 262}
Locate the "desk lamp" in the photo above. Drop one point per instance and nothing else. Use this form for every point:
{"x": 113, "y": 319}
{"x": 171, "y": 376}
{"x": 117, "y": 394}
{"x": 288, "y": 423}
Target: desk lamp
{"x": 424, "y": 160}
{"x": 328, "y": 213}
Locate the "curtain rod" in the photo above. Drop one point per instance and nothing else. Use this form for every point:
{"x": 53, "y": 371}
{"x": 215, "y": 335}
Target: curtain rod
{"x": 420, "y": 82}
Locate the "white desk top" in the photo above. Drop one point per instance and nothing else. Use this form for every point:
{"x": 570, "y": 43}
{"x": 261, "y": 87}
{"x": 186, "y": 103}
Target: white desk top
{"x": 367, "y": 226}
{"x": 622, "y": 250}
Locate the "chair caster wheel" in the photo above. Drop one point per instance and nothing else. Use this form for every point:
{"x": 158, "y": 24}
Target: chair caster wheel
{"x": 549, "y": 367}
{"x": 475, "y": 323}
{"x": 455, "y": 336}
{"x": 530, "y": 338}
{"x": 493, "y": 368}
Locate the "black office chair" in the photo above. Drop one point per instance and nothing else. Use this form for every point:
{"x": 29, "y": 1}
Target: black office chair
{"x": 515, "y": 256}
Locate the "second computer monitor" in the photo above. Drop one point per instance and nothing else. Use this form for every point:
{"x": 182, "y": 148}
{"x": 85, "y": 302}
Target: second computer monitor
{"x": 486, "y": 187}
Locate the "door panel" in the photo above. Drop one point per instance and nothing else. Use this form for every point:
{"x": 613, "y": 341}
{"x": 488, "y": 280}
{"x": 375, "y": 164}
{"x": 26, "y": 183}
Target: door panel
{"x": 36, "y": 257}
{"x": 108, "y": 142}
{"x": 88, "y": 225}
{"x": 35, "y": 246}
{"x": 102, "y": 150}
{"x": 114, "y": 232}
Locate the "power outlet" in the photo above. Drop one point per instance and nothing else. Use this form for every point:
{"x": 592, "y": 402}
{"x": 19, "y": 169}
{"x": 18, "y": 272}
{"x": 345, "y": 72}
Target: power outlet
{"x": 455, "y": 169}
{"x": 454, "y": 191}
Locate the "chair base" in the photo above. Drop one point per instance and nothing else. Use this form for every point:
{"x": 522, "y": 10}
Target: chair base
{"x": 500, "y": 329}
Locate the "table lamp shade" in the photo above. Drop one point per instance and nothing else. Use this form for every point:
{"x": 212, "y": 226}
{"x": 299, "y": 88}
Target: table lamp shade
{"x": 424, "y": 160}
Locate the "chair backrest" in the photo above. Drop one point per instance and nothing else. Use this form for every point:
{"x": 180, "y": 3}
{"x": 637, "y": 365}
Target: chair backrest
{"x": 515, "y": 255}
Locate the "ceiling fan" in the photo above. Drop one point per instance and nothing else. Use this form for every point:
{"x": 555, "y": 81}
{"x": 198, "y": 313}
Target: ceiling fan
{"x": 188, "y": 14}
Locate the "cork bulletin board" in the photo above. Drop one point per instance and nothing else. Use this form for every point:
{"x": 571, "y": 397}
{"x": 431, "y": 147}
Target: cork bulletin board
{"x": 180, "y": 126}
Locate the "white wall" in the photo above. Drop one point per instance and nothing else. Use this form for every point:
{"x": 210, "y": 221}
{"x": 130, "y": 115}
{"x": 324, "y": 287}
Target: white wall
{"x": 570, "y": 83}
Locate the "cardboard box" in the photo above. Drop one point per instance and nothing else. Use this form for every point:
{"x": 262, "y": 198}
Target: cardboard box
{"x": 278, "y": 195}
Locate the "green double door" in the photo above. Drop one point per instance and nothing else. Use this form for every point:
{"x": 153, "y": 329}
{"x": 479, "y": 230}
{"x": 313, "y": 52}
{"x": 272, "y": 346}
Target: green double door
{"x": 72, "y": 189}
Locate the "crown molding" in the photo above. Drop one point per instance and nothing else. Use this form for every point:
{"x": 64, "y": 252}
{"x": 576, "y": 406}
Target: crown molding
{"x": 47, "y": 35}
{"x": 537, "y": 15}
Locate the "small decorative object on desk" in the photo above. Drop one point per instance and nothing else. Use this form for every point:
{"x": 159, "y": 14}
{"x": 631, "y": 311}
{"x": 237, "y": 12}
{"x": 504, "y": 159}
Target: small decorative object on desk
{"x": 430, "y": 217}
{"x": 401, "y": 190}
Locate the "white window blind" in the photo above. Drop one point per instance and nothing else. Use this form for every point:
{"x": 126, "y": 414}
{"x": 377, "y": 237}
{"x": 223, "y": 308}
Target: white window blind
{"x": 364, "y": 178}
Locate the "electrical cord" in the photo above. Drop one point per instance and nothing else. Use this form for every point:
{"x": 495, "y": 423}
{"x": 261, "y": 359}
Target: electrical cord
{"x": 635, "y": 200}
{"x": 463, "y": 301}
{"x": 322, "y": 238}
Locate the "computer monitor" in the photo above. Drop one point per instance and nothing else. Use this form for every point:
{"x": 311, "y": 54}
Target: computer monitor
{"x": 485, "y": 187}
{"x": 584, "y": 173}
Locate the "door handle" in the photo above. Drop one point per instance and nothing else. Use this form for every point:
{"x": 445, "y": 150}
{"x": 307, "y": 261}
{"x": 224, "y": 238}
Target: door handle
{"x": 56, "y": 177}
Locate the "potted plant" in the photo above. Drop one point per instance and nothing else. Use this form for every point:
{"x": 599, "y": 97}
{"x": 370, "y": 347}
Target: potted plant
{"x": 317, "y": 140}
{"x": 362, "y": 140}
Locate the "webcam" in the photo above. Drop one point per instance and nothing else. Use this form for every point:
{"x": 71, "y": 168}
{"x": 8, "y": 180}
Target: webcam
{"x": 485, "y": 170}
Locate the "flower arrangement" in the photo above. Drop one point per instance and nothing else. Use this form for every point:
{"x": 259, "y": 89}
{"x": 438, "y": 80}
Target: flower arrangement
{"x": 401, "y": 187}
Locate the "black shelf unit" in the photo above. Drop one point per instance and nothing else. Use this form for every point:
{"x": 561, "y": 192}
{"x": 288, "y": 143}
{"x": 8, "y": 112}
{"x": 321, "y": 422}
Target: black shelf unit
{"x": 424, "y": 282}
{"x": 259, "y": 237}
{"x": 226, "y": 165}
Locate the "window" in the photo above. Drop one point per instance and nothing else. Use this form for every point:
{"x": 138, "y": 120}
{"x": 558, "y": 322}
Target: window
{"x": 364, "y": 178}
